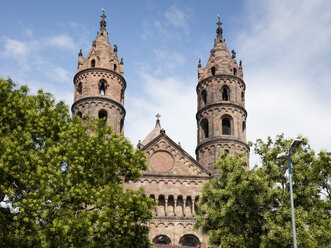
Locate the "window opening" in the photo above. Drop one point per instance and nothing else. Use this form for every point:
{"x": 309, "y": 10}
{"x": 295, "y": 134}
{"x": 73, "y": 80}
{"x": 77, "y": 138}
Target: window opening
{"x": 204, "y": 96}
{"x": 225, "y": 93}
{"x": 102, "y": 89}
{"x": 162, "y": 239}
{"x": 226, "y": 126}
{"x": 205, "y": 128}
{"x": 213, "y": 70}
{"x": 102, "y": 114}
{"x": 115, "y": 66}
{"x": 79, "y": 88}
{"x": 92, "y": 63}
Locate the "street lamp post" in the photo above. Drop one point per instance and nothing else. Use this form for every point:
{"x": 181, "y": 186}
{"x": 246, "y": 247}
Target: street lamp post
{"x": 295, "y": 144}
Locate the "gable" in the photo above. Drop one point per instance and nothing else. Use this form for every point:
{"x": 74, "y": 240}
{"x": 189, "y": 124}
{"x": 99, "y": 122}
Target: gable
{"x": 165, "y": 157}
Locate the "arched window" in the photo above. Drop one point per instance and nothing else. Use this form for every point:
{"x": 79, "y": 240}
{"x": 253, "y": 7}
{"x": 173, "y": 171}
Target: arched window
{"x": 115, "y": 67}
{"x": 102, "y": 87}
{"x": 79, "y": 114}
{"x": 204, "y": 96}
{"x": 122, "y": 95}
{"x": 102, "y": 114}
{"x": 226, "y": 151}
{"x": 213, "y": 70}
{"x": 225, "y": 93}
{"x": 205, "y": 128}
{"x": 79, "y": 88}
{"x": 242, "y": 96}
{"x": 121, "y": 125}
{"x": 92, "y": 63}
{"x": 189, "y": 240}
{"x": 226, "y": 126}
{"x": 234, "y": 71}
{"x": 162, "y": 239}
{"x": 244, "y": 126}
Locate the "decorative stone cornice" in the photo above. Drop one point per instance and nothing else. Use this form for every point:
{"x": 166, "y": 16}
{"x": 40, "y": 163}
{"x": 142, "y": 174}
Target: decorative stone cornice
{"x": 100, "y": 70}
{"x": 220, "y": 76}
{"x": 221, "y": 139}
{"x": 98, "y": 98}
{"x": 220, "y": 104}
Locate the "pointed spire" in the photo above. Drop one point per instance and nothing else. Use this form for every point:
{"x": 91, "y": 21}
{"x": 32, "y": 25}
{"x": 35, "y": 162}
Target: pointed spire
{"x": 157, "y": 120}
{"x": 80, "y": 53}
{"x": 103, "y": 22}
{"x": 219, "y": 29}
{"x": 199, "y": 65}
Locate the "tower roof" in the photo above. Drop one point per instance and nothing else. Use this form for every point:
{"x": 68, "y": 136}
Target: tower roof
{"x": 220, "y": 58}
{"x": 101, "y": 52}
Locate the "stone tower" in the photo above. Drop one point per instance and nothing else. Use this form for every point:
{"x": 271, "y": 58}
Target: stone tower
{"x": 221, "y": 115}
{"x": 99, "y": 83}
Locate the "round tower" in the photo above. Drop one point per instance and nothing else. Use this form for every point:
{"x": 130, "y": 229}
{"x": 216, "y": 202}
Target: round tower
{"x": 99, "y": 83}
{"x": 221, "y": 115}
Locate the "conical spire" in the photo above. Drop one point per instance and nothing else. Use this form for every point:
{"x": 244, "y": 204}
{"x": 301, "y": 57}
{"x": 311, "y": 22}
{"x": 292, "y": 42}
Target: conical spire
{"x": 220, "y": 61}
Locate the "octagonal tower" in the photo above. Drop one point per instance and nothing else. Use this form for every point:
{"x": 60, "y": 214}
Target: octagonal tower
{"x": 99, "y": 83}
{"x": 221, "y": 115}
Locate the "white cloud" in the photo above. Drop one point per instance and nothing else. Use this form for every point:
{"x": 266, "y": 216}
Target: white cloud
{"x": 16, "y": 47}
{"x": 286, "y": 52}
{"x": 61, "y": 75}
{"x": 61, "y": 41}
{"x": 176, "y": 17}
{"x": 170, "y": 97}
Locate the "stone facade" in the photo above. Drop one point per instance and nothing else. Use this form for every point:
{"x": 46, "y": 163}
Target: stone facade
{"x": 173, "y": 179}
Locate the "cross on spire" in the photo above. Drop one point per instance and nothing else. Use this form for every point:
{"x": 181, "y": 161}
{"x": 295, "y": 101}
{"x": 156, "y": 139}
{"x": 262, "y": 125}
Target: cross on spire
{"x": 157, "y": 120}
{"x": 103, "y": 16}
{"x": 219, "y": 29}
{"x": 103, "y": 22}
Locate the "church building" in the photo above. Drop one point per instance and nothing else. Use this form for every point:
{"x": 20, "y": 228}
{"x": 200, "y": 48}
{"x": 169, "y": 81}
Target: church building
{"x": 174, "y": 179}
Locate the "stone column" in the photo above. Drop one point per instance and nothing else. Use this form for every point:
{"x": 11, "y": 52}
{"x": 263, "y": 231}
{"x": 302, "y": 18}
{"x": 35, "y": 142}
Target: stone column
{"x": 165, "y": 206}
{"x": 184, "y": 206}
{"x": 175, "y": 205}
{"x": 157, "y": 205}
{"x": 193, "y": 207}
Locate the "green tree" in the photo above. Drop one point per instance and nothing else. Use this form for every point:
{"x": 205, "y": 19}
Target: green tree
{"x": 251, "y": 208}
{"x": 62, "y": 182}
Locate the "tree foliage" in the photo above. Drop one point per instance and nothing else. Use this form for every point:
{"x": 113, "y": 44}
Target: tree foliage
{"x": 251, "y": 208}
{"x": 61, "y": 183}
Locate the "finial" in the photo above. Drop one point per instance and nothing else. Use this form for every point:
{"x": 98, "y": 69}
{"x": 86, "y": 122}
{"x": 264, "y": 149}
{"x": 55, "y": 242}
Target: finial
{"x": 233, "y": 54}
{"x": 94, "y": 43}
{"x": 103, "y": 16}
{"x": 219, "y": 29}
{"x": 157, "y": 119}
{"x": 199, "y": 65}
{"x": 240, "y": 63}
{"x": 115, "y": 48}
{"x": 80, "y": 53}
{"x": 121, "y": 61}
{"x": 103, "y": 22}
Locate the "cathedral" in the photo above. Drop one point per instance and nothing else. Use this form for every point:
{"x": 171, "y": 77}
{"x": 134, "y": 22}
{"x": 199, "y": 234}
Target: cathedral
{"x": 173, "y": 179}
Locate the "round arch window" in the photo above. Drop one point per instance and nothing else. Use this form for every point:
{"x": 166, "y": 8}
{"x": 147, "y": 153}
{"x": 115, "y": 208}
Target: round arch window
{"x": 162, "y": 239}
{"x": 102, "y": 114}
{"x": 189, "y": 240}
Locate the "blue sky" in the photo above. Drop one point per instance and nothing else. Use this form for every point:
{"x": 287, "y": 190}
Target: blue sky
{"x": 284, "y": 45}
